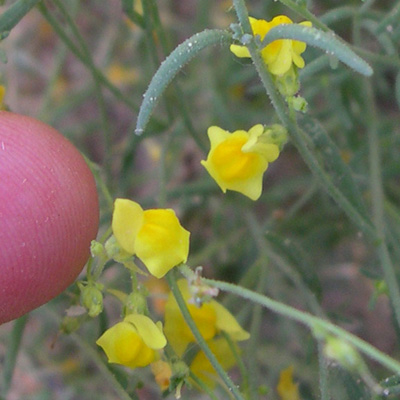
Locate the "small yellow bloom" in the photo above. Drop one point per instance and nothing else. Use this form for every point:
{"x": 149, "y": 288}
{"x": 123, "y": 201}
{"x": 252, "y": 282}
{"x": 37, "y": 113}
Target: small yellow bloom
{"x": 238, "y": 160}
{"x": 287, "y": 389}
{"x": 211, "y": 318}
{"x": 280, "y": 54}
{"x": 133, "y": 341}
{"x": 155, "y": 236}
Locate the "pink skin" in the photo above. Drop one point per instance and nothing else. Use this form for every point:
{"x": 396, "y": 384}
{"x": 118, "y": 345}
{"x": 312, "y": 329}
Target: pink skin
{"x": 49, "y": 214}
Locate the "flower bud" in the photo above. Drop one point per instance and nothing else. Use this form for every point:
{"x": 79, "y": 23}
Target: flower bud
{"x": 135, "y": 303}
{"x": 92, "y": 298}
{"x": 344, "y": 354}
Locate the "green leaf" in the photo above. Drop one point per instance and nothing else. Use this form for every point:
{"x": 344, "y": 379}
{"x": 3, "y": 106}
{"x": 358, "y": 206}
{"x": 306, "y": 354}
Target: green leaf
{"x": 172, "y": 65}
{"x": 328, "y": 42}
{"x": 14, "y": 14}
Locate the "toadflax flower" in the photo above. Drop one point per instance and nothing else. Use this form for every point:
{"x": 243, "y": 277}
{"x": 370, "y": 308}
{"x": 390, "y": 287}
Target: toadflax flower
{"x": 155, "y": 236}
{"x": 238, "y": 160}
{"x": 280, "y": 54}
{"x": 132, "y": 342}
{"x": 211, "y": 319}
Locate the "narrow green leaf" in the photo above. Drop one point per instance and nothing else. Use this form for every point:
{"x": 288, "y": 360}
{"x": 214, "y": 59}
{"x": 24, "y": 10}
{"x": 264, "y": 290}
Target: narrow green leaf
{"x": 329, "y": 157}
{"x": 328, "y": 42}
{"x": 14, "y": 14}
{"x": 172, "y": 65}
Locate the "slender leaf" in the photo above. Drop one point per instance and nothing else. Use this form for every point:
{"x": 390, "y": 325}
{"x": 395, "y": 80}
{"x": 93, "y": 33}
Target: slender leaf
{"x": 172, "y": 65}
{"x": 14, "y": 14}
{"x": 328, "y": 42}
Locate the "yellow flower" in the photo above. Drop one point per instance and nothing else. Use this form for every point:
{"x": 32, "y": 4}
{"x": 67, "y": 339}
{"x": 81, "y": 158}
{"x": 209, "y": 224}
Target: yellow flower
{"x": 155, "y": 236}
{"x": 202, "y": 367}
{"x": 133, "y": 341}
{"x": 238, "y": 160}
{"x": 280, "y": 54}
{"x": 287, "y": 389}
{"x": 211, "y": 318}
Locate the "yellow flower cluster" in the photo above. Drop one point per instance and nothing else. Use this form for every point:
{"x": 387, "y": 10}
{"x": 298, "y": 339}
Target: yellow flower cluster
{"x": 280, "y": 55}
{"x": 135, "y": 341}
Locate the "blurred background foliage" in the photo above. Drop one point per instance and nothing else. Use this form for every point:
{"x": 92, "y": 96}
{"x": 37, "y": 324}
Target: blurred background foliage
{"x": 62, "y": 60}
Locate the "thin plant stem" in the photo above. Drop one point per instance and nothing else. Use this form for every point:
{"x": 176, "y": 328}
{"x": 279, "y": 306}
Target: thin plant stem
{"x": 199, "y": 338}
{"x": 203, "y": 386}
{"x": 303, "y": 11}
{"x": 98, "y": 89}
{"x": 255, "y": 328}
{"x": 377, "y": 198}
{"x": 323, "y": 373}
{"x": 309, "y": 320}
{"x": 266, "y": 253}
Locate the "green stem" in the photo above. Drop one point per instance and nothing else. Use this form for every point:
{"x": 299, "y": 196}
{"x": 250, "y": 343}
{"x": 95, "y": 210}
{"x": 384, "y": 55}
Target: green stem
{"x": 242, "y": 368}
{"x": 308, "y": 320}
{"x": 12, "y": 353}
{"x": 323, "y": 373}
{"x": 199, "y": 338}
{"x": 377, "y": 197}
{"x": 97, "y": 85}
{"x": 203, "y": 386}
{"x": 255, "y": 329}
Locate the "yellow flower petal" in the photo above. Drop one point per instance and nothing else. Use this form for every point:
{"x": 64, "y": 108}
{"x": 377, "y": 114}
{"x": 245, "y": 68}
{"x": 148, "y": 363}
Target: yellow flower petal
{"x": 202, "y": 367}
{"x": 126, "y": 223}
{"x": 162, "y": 243}
{"x": 226, "y": 322}
{"x": 217, "y": 135}
{"x": 150, "y": 333}
{"x": 286, "y": 388}
{"x": 240, "y": 51}
{"x": 205, "y": 319}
